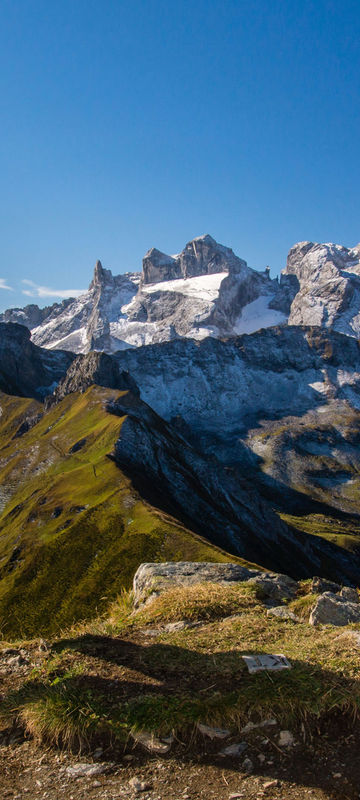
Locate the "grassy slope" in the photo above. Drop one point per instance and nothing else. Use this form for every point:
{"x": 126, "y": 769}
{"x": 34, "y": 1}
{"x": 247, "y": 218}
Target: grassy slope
{"x": 168, "y": 681}
{"x": 74, "y": 531}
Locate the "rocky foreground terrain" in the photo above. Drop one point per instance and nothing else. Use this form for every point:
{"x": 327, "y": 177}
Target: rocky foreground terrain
{"x": 156, "y": 698}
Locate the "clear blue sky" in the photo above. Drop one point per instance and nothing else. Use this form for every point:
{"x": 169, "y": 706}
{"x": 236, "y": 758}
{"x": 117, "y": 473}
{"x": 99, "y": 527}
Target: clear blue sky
{"x": 127, "y": 124}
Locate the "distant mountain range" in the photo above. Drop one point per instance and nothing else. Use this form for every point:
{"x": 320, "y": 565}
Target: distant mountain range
{"x": 206, "y": 290}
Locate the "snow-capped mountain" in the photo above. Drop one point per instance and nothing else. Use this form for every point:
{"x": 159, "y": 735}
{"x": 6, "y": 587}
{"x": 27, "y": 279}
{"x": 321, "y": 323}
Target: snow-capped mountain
{"x": 206, "y": 290}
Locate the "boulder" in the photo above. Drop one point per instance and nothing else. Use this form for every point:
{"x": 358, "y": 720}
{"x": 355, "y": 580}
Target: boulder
{"x": 320, "y": 585}
{"x": 332, "y": 609}
{"x": 350, "y": 594}
{"x": 151, "y": 580}
{"x": 274, "y": 586}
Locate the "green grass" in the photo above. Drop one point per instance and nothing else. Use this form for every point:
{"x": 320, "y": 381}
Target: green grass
{"x": 74, "y": 531}
{"x": 94, "y": 687}
{"x": 341, "y": 532}
{"x": 302, "y": 606}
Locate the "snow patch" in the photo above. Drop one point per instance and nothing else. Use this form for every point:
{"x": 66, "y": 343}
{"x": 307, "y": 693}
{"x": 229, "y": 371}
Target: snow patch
{"x": 257, "y": 314}
{"x": 203, "y": 287}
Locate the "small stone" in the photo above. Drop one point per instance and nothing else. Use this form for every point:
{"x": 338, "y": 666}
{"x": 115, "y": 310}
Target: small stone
{"x": 212, "y": 733}
{"x": 96, "y": 783}
{"x": 320, "y": 585}
{"x": 233, "y": 750}
{"x": 286, "y": 739}
{"x": 84, "y": 770}
{"x": 283, "y": 613}
{"x": 151, "y": 743}
{"x": 270, "y": 784}
{"x": 337, "y": 774}
{"x": 17, "y": 661}
{"x": 260, "y": 662}
{"x": 139, "y": 785}
{"x": 250, "y": 726}
{"x": 248, "y": 765}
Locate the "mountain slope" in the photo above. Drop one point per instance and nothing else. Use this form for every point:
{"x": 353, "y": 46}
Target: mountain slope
{"x": 72, "y": 527}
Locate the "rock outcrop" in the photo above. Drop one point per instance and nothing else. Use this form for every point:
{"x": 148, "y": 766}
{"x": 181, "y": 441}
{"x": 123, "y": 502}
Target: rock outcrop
{"x": 151, "y": 580}
{"x": 334, "y": 609}
{"x": 329, "y": 286}
{"x": 92, "y": 368}
{"x": 202, "y": 256}
{"x": 25, "y": 369}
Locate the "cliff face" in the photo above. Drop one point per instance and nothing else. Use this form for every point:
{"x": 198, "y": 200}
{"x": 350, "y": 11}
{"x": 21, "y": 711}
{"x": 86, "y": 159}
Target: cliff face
{"x": 328, "y": 276}
{"x": 25, "y": 369}
{"x": 201, "y": 256}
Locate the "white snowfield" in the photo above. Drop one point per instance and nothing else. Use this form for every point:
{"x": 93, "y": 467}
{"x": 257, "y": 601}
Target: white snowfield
{"x": 202, "y": 287}
{"x": 258, "y": 315}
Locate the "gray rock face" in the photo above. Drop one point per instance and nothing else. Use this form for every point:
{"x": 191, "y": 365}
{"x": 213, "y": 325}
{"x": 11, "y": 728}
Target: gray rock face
{"x": 89, "y": 369}
{"x": 275, "y": 587}
{"x": 25, "y": 369}
{"x": 332, "y": 609}
{"x": 217, "y": 385}
{"x": 329, "y": 286}
{"x": 282, "y": 403}
{"x": 221, "y": 505}
{"x": 201, "y": 256}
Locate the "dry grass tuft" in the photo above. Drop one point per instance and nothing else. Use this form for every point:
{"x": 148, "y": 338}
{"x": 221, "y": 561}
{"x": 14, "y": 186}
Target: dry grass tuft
{"x": 202, "y": 601}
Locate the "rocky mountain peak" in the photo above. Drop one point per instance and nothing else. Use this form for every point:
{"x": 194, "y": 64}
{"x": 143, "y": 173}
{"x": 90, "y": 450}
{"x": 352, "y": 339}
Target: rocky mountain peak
{"x": 201, "y": 256}
{"x": 101, "y": 276}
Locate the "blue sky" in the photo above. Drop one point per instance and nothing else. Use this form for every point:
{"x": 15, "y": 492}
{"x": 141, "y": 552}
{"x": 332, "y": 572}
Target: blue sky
{"x": 127, "y": 124}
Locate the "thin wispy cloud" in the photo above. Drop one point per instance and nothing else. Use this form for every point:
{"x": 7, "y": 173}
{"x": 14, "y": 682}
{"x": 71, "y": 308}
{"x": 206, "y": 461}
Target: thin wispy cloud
{"x": 5, "y": 285}
{"x": 45, "y": 291}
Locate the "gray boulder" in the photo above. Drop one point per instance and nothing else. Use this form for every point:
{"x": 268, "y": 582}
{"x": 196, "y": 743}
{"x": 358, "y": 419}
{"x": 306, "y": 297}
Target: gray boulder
{"x": 350, "y": 594}
{"x": 275, "y": 587}
{"x": 333, "y": 609}
{"x": 321, "y": 585}
{"x": 151, "y": 580}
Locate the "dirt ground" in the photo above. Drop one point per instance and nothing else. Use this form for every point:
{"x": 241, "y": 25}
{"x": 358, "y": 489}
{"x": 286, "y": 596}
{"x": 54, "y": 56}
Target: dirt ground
{"x": 330, "y": 770}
